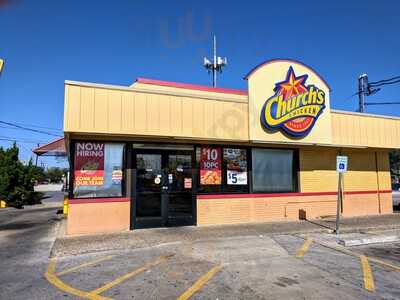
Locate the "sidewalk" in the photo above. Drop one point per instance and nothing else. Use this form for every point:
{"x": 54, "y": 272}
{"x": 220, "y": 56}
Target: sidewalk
{"x": 143, "y": 238}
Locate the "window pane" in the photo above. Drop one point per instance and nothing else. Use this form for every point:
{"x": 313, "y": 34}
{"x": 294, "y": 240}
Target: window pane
{"x": 236, "y": 166}
{"x": 210, "y": 166}
{"x": 204, "y": 189}
{"x": 98, "y": 170}
{"x": 272, "y": 170}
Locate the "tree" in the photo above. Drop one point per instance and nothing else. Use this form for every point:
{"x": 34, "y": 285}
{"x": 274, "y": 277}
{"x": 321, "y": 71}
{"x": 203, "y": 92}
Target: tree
{"x": 16, "y": 179}
{"x": 54, "y": 174}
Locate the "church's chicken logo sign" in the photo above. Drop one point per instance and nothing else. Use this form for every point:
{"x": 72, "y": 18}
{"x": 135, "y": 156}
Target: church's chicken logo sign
{"x": 295, "y": 106}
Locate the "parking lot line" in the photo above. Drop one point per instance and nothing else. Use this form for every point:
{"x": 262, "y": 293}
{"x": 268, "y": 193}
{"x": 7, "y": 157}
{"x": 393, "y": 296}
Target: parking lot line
{"x": 84, "y": 265}
{"x": 368, "y": 277}
{"x": 121, "y": 279}
{"x": 199, "y": 283}
{"x": 54, "y": 280}
{"x": 384, "y": 263}
{"x": 348, "y": 252}
{"x": 301, "y": 251}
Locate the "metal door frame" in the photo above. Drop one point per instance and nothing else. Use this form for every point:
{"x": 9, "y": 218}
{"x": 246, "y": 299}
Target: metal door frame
{"x": 135, "y": 223}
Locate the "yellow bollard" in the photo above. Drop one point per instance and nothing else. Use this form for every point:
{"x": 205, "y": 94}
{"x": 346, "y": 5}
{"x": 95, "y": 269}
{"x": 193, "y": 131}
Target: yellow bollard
{"x": 3, "y": 204}
{"x": 65, "y": 208}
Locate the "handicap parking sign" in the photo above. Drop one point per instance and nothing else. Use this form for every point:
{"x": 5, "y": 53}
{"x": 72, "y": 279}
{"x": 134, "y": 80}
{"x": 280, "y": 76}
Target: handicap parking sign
{"x": 341, "y": 164}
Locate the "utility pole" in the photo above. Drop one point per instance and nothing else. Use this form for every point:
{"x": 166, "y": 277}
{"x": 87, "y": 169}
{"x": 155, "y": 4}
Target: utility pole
{"x": 362, "y": 91}
{"x": 215, "y": 62}
{"x": 216, "y": 65}
{"x": 37, "y": 156}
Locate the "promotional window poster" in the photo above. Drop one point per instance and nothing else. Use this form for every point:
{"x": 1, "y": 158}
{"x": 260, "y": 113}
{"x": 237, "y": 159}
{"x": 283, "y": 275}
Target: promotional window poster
{"x": 236, "y": 165}
{"x": 210, "y": 166}
{"x": 89, "y": 164}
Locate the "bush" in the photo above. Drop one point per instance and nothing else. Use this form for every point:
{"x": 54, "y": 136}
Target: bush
{"x": 17, "y": 180}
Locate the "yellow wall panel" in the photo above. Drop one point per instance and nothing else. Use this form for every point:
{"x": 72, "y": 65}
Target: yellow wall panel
{"x": 187, "y": 117}
{"x": 101, "y": 110}
{"x": 176, "y": 116}
{"x": 87, "y": 108}
{"x": 365, "y": 130}
{"x": 153, "y": 114}
{"x": 165, "y": 115}
{"x": 140, "y": 117}
{"x": 94, "y": 109}
{"x": 128, "y": 112}
{"x": 74, "y": 109}
{"x": 318, "y": 170}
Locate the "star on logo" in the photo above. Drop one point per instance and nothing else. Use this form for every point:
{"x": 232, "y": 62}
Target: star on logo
{"x": 292, "y": 85}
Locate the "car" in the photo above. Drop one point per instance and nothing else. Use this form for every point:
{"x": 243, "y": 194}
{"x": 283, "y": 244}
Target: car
{"x": 396, "y": 194}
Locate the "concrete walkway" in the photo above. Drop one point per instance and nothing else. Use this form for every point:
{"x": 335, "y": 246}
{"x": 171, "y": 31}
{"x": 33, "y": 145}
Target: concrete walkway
{"x": 143, "y": 238}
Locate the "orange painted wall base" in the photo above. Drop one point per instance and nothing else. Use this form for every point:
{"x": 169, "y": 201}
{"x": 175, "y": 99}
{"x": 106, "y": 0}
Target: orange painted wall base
{"x": 88, "y": 217}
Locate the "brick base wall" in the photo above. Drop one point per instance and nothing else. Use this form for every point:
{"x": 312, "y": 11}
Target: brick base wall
{"x": 246, "y": 208}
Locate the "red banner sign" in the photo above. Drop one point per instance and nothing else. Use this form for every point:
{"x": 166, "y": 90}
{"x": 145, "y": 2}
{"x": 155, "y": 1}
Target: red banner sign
{"x": 89, "y": 164}
{"x": 210, "y": 166}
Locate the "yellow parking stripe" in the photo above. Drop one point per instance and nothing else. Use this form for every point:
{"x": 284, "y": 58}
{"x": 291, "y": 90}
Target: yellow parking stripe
{"x": 368, "y": 277}
{"x": 384, "y": 263}
{"x": 54, "y": 280}
{"x": 199, "y": 283}
{"x": 121, "y": 279}
{"x": 372, "y": 259}
{"x": 87, "y": 264}
{"x": 300, "y": 252}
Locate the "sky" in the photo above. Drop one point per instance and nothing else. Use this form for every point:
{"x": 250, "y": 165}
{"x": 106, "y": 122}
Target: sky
{"x": 45, "y": 43}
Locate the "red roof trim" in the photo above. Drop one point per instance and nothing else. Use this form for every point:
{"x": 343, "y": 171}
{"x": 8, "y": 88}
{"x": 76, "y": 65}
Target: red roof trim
{"x": 285, "y": 60}
{"x": 278, "y": 195}
{"x": 191, "y": 86}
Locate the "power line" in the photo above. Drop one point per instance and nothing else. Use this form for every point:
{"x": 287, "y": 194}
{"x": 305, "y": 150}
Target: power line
{"x": 3, "y": 137}
{"x": 37, "y": 126}
{"x": 383, "y": 83}
{"x": 29, "y": 129}
{"x": 382, "y": 103}
{"x": 385, "y": 80}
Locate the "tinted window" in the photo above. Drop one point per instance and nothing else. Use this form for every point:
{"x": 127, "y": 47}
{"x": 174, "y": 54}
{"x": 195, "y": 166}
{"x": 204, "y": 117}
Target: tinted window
{"x": 272, "y": 170}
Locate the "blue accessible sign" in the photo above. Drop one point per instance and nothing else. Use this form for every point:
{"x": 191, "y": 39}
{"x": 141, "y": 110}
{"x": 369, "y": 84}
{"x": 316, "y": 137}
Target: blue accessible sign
{"x": 341, "y": 164}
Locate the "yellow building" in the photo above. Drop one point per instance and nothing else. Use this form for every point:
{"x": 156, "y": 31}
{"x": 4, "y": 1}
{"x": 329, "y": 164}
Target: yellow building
{"x": 161, "y": 153}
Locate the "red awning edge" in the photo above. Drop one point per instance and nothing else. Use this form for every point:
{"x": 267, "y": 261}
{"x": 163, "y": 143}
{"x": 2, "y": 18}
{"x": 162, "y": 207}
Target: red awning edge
{"x": 54, "y": 148}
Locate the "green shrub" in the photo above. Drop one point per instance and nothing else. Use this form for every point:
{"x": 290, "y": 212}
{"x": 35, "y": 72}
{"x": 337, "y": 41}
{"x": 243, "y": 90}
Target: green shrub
{"x": 17, "y": 180}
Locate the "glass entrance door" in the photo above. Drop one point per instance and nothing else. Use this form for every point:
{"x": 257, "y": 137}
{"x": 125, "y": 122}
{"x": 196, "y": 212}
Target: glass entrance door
{"x": 163, "y": 194}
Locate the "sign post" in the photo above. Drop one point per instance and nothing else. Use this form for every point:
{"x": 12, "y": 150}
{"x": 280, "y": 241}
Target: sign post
{"x": 341, "y": 167}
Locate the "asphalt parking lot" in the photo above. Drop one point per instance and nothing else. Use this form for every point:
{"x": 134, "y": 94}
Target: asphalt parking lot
{"x": 262, "y": 267}
{"x": 259, "y": 261}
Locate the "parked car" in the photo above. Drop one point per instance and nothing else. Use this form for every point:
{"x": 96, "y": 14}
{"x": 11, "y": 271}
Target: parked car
{"x": 396, "y": 194}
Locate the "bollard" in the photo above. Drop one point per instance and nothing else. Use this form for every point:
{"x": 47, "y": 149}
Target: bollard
{"x": 65, "y": 208}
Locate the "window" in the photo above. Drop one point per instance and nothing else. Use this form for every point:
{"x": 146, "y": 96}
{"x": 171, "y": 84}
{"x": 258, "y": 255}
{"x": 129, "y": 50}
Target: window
{"x": 273, "y": 170}
{"x": 98, "y": 169}
{"x": 208, "y": 160}
{"x": 227, "y": 174}
{"x": 235, "y": 168}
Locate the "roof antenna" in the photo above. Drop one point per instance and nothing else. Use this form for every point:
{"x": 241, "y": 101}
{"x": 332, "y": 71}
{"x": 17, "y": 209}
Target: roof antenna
{"x": 216, "y": 65}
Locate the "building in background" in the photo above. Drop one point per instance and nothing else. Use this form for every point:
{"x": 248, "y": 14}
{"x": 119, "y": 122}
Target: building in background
{"x": 161, "y": 153}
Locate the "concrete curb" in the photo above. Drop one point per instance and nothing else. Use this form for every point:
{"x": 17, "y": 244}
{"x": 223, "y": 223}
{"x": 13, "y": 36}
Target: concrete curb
{"x": 369, "y": 240}
{"x": 81, "y": 244}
